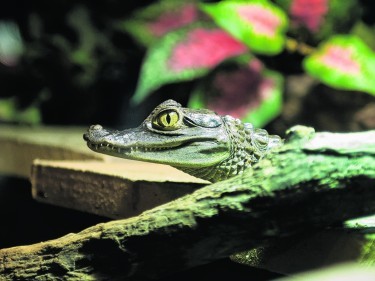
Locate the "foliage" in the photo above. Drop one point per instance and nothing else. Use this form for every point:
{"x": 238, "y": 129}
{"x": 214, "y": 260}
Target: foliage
{"x": 259, "y": 24}
{"x": 344, "y": 62}
{"x": 10, "y": 112}
{"x": 184, "y": 55}
{"x": 245, "y": 89}
{"x": 203, "y": 39}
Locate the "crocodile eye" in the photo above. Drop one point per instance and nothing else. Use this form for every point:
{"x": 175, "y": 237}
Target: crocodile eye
{"x": 166, "y": 120}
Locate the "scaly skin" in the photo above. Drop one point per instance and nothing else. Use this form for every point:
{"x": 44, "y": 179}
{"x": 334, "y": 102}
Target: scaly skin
{"x": 197, "y": 141}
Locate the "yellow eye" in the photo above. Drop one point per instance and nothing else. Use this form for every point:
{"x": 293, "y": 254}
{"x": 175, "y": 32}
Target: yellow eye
{"x": 167, "y": 120}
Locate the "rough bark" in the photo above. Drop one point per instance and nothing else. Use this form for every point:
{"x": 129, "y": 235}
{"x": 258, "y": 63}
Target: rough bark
{"x": 311, "y": 182}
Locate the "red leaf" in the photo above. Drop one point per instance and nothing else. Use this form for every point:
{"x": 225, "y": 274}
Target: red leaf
{"x": 204, "y": 48}
{"x": 309, "y": 13}
{"x": 263, "y": 20}
{"x": 173, "y": 20}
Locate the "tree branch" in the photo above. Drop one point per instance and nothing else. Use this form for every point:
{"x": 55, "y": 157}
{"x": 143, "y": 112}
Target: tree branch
{"x": 311, "y": 182}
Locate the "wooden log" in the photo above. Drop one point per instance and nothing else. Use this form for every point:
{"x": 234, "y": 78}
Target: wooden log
{"x": 312, "y": 250}
{"x": 344, "y": 271}
{"x": 307, "y": 184}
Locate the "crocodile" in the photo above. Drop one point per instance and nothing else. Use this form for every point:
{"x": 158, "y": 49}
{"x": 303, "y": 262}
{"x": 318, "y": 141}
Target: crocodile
{"x": 196, "y": 141}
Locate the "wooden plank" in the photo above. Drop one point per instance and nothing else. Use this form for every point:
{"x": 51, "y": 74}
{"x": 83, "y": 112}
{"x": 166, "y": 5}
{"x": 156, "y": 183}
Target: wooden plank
{"x": 20, "y": 145}
{"x": 116, "y": 189}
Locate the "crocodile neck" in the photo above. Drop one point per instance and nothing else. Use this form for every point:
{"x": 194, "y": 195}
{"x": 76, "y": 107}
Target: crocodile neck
{"x": 198, "y": 142}
{"x": 242, "y": 153}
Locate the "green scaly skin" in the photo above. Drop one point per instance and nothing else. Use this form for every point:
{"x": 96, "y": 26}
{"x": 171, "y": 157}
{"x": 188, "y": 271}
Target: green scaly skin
{"x": 196, "y": 141}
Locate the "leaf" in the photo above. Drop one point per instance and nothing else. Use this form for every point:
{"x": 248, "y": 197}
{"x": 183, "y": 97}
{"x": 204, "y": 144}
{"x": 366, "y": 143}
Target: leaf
{"x": 316, "y": 20}
{"x": 343, "y": 62}
{"x": 184, "y": 55}
{"x": 365, "y": 32}
{"x": 258, "y": 23}
{"x": 149, "y": 24}
{"x": 248, "y": 91}
{"x": 309, "y": 13}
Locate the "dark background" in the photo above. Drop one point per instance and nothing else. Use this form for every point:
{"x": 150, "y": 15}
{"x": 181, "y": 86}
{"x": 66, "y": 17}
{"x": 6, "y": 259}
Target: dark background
{"x": 80, "y": 93}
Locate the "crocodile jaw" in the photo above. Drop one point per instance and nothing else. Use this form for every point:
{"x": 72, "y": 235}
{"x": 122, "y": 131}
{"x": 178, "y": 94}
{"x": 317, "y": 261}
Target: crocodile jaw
{"x": 196, "y": 149}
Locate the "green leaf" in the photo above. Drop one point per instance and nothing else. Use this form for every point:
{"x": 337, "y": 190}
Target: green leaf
{"x": 258, "y": 23}
{"x": 247, "y": 91}
{"x": 184, "y": 55}
{"x": 343, "y": 62}
{"x": 365, "y": 32}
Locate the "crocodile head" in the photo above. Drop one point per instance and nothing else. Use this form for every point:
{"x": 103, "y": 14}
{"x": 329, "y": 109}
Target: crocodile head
{"x": 197, "y": 141}
{"x": 171, "y": 134}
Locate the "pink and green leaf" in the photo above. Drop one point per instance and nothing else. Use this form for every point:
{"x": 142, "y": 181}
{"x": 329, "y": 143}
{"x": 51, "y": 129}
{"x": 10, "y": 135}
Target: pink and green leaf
{"x": 343, "y": 62}
{"x": 249, "y": 92}
{"x": 184, "y": 55}
{"x": 258, "y": 23}
{"x": 151, "y": 23}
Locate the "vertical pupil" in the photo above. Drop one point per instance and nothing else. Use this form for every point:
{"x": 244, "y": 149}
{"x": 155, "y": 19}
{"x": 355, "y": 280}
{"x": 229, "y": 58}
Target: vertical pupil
{"x": 168, "y": 118}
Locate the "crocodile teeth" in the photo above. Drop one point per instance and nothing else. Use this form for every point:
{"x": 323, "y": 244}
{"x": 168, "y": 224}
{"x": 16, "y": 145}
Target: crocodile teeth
{"x": 108, "y": 146}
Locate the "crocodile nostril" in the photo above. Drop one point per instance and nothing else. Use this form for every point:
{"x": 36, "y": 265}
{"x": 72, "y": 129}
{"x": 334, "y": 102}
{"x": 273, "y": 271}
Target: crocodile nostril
{"x": 96, "y": 127}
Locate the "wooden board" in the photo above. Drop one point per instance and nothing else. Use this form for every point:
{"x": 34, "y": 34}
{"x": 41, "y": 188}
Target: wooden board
{"x": 116, "y": 189}
{"x": 20, "y": 146}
